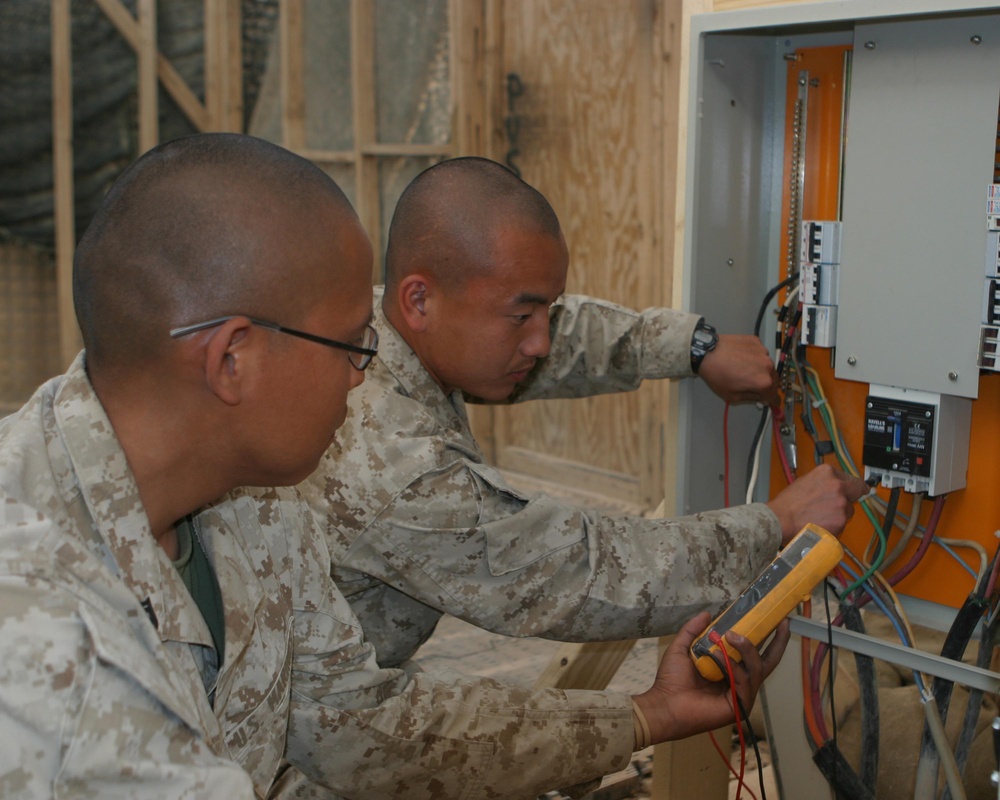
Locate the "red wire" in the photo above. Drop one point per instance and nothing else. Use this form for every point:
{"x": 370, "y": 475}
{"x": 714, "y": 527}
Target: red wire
{"x": 725, "y": 454}
{"x": 725, "y": 758}
{"x": 775, "y": 424}
{"x": 716, "y": 639}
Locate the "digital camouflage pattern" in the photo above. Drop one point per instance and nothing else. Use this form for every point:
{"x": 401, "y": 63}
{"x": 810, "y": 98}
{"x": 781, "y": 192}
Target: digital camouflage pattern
{"x": 418, "y": 524}
{"x": 108, "y": 667}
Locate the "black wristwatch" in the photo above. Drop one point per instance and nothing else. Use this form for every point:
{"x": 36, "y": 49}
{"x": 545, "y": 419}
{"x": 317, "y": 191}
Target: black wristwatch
{"x": 703, "y": 341}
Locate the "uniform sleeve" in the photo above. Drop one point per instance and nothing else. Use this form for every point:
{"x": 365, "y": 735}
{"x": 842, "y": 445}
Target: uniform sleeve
{"x": 379, "y": 733}
{"x": 462, "y": 541}
{"x": 76, "y": 724}
{"x": 600, "y": 347}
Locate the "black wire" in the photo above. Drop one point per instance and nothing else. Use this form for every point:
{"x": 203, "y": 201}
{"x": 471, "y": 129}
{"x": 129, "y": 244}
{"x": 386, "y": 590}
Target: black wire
{"x": 767, "y": 300}
{"x": 756, "y": 751}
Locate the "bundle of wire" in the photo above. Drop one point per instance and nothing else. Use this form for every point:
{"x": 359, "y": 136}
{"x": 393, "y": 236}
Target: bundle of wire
{"x": 866, "y": 582}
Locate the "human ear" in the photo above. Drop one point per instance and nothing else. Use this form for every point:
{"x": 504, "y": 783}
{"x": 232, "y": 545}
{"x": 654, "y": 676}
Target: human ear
{"x": 227, "y": 360}
{"x": 414, "y": 292}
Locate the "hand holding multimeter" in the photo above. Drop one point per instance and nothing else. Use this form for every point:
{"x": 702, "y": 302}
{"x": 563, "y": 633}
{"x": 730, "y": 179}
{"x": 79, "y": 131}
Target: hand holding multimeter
{"x": 805, "y": 561}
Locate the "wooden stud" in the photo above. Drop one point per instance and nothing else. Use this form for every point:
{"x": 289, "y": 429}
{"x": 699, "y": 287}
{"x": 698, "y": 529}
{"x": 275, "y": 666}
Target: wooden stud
{"x": 62, "y": 167}
{"x": 466, "y": 72}
{"x": 224, "y": 64}
{"x": 148, "y": 84}
{"x": 591, "y": 665}
{"x": 171, "y": 79}
{"x": 363, "y": 91}
{"x": 293, "y": 106}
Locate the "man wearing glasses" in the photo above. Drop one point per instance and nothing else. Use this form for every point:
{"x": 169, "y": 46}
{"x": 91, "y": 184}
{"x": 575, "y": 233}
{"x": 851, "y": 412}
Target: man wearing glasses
{"x": 164, "y": 633}
{"x": 474, "y": 308}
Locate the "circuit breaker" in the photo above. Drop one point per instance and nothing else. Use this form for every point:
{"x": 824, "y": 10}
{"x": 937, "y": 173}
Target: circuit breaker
{"x": 916, "y": 440}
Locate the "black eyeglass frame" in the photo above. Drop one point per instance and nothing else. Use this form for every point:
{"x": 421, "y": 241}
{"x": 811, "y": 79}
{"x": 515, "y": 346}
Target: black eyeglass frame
{"x": 366, "y": 353}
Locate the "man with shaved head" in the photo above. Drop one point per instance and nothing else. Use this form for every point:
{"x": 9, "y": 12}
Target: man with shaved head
{"x": 166, "y": 634}
{"x": 419, "y": 524}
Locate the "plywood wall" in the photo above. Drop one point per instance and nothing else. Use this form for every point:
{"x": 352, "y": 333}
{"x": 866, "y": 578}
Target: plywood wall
{"x": 591, "y": 136}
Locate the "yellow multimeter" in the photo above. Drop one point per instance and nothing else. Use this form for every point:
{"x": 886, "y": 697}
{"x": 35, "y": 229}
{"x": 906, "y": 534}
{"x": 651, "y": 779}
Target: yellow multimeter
{"x": 805, "y": 561}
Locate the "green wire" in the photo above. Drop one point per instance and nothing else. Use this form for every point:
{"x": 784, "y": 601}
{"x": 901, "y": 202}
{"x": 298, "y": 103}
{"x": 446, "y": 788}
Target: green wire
{"x": 850, "y": 468}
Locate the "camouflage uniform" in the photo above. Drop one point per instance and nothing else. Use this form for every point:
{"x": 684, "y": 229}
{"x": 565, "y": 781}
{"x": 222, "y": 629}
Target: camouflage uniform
{"x": 108, "y": 667}
{"x": 418, "y": 524}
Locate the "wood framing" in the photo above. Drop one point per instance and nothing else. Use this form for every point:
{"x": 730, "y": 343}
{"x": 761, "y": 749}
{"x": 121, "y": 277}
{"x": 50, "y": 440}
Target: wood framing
{"x": 62, "y": 169}
{"x": 363, "y": 91}
{"x": 148, "y": 84}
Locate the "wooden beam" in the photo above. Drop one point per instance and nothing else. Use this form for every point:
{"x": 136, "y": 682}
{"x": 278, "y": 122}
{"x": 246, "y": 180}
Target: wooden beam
{"x": 363, "y": 92}
{"x": 584, "y": 666}
{"x": 148, "y": 84}
{"x": 327, "y": 156}
{"x": 293, "y": 103}
{"x": 171, "y": 79}
{"x": 224, "y": 64}
{"x": 466, "y": 34}
{"x": 404, "y": 149}
{"x": 62, "y": 168}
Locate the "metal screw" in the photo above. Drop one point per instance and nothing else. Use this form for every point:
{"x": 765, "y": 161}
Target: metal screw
{"x": 802, "y": 80}
{"x": 927, "y": 414}
{"x": 895, "y": 466}
{"x": 852, "y": 360}
{"x": 870, "y": 405}
{"x": 953, "y": 376}
{"x": 976, "y": 39}
{"x": 729, "y": 262}
{"x": 869, "y": 45}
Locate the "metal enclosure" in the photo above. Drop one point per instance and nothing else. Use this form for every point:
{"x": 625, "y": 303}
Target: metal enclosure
{"x": 913, "y": 208}
{"x": 923, "y": 115}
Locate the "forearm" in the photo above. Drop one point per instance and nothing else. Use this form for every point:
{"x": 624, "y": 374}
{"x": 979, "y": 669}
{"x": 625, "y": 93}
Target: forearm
{"x": 367, "y": 732}
{"x": 600, "y": 347}
{"x": 544, "y": 568}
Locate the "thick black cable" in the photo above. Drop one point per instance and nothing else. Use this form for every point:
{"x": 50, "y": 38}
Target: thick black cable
{"x": 868, "y": 686}
{"x": 830, "y": 675}
{"x": 954, "y": 646}
{"x": 839, "y": 775}
{"x": 974, "y": 704}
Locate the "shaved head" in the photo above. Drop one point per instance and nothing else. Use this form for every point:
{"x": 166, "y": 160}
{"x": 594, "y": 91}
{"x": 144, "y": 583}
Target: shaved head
{"x": 447, "y": 220}
{"x": 197, "y": 228}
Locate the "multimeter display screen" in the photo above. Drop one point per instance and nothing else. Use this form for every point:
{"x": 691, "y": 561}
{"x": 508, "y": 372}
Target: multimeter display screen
{"x": 775, "y": 572}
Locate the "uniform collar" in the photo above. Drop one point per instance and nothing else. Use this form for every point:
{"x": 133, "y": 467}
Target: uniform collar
{"x": 397, "y": 361}
{"x": 100, "y": 470}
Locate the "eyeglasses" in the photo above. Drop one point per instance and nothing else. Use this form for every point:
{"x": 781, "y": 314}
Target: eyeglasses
{"x": 360, "y": 355}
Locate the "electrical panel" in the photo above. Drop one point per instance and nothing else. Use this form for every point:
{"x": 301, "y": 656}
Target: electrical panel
{"x": 848, "y": 151}
{"x": 842, "y": 198}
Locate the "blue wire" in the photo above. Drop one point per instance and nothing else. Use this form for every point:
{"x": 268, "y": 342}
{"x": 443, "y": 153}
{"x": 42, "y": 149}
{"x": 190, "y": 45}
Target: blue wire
{"x": 895, "y": 623}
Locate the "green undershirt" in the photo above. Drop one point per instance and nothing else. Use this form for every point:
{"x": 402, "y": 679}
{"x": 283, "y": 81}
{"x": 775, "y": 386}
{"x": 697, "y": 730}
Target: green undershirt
{"x": 199, "y": 578}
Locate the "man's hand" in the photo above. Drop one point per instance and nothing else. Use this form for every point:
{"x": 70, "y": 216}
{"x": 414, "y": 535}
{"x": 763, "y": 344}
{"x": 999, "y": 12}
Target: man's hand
{"x": 740, "y": 370}
{"x": 682, "y": 703}
{"x": 824, "y": 496}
